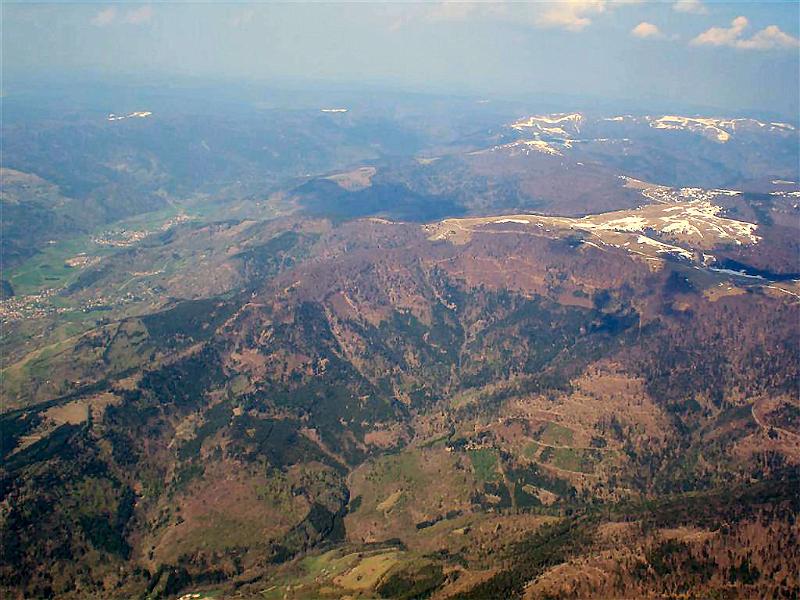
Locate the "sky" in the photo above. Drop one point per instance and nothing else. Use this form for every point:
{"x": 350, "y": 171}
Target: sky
{"x": 738, "y": 57}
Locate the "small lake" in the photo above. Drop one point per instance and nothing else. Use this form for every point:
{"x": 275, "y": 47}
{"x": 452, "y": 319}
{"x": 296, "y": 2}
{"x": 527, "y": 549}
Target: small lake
{"x": 732, "y": 267}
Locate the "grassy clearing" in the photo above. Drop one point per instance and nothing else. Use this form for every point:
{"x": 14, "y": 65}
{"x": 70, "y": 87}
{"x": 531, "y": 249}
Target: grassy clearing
{"x": 556, "y": 435}
{"x": 329, "y": 564}
{"x": 217, "y": 531}
{"x": 484, "y": 463}
{"x": 399, "y": 468}
{"x": 436, "y": 441}
{"x": 432, "y": 482}
{"x": 48, "y": 269}
{"x": 35, "y": 366}
{"x": 334, "y": 574}
{"x": 367, "y": 574}
{"x": 569, "y": 459}
{"x": 531, "y": 450}
{"x": 464, "y": 398}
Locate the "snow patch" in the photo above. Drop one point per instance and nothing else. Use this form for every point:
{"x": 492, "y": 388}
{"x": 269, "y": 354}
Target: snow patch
{"x": 142, "y": 114}
{"x": 720, "y": 130}
{"x": 541, "y": 121}
{"x": 665, "y": 248}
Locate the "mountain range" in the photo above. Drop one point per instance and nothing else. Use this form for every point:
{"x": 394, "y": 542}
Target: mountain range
{"x": 406, "y": 349}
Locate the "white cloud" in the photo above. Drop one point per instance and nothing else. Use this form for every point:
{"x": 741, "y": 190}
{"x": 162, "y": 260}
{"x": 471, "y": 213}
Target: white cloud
{"x": 140, "y": 15}
{"x": 105, "y": 17}
{"x": 572, "y": 15}
{"x": 722, "y": 36}
{"x": 768, "y": 38}
{"x": 646, "y": 30}
{"x": 694, "y": 7}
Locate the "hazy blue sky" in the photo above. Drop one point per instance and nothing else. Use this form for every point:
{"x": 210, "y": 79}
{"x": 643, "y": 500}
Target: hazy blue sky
{"x": 734, "y": 55}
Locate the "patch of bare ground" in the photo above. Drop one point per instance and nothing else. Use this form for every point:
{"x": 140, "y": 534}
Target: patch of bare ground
{"x": 185, "y": 428}
{"x": 467, "y": 579}
{"x": 537, "y": 261}
{"x": 313, "y": 435}
{"x": 250, "y": 361}
{"x": 781, "y": 412}
{"x": 387, "y": 436}
{"x": 615, "y": 532}
{"x": 71, "y": 413}
{"x": 355, "y": 180}
{"x": 605, "y": 390}
{"x": 228, "y": 507}
{"x": 493, "y": 535}
{"x": 605, "y": 408}
{"x": 776, "y": 432}
{"x": 128, "y": 383}
{"x": 687, "y": 534}
{"x": 625, "y": 561}
{"x": 721, "y": 290}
